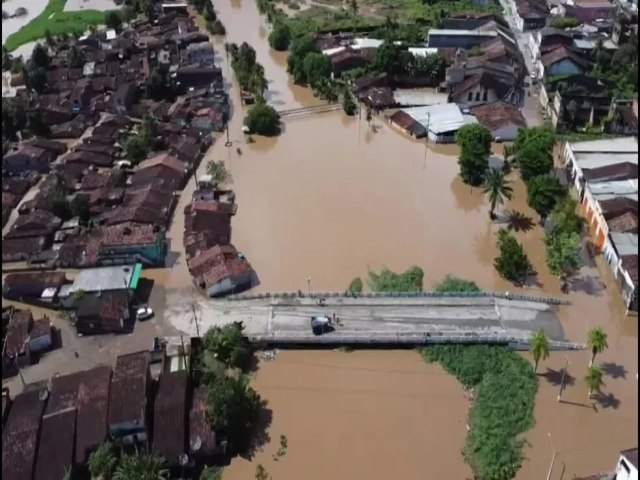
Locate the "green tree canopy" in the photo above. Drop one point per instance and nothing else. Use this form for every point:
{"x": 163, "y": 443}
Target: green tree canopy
{"x": 160, "y": 85}
{"x": 136, "y": 149}
{"x": 451, "y": 283}
{"x": 597, "y": 342}
{"x": 497, "y": 188}
{"x": 220, "y": 176}
{"x": 475, "y": 146}
{"x": 113, "y": 19}
{"x": 565, "y": 218}
{"x": 348, "y": 105}
{"x": 387, "y": 57}
{"x": 229, "y": 345}
{"x": 534, "y": 151}
{"x": 512, "y": 262}
{"x": 594, "y": 379}
{"x": 300, "y": 47}
{"x": 317, "y": 68}
{"x": 280, "y": 36}
{"x": 543, "y": 193}
{"x": 40, "y": 57}
{"x": 263, "y": 119}
{"x": 563, "y": 253}
{"x": 388, "y": 281}
{"x": 355, "y": 286}
{"x": 539, "y": 348}
{"x": 102, "y": 461}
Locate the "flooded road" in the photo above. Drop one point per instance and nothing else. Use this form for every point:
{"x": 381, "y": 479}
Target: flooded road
{"x": 370, "y": 414}
{"x": 329, "y": 200}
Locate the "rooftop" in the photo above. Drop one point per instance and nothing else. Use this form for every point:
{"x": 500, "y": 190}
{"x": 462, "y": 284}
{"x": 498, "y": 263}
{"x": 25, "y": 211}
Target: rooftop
{"x": 604, "y": 159}
{"x": 625, "y": 243}
{"x": 199, "y": 429}
{"x": 104, "y": 312}
{"x": 615, "y": 187}
{"x": 609, "y": 145}
{"x": 631, "y": 455}
{"x": 17, "y": 333}
{"x": 20, "y": 436}
{"x": 499, "y": 115}
{"x": 169, "y": 421}
{"x": 438, "y": 118}
{"x": 64, "y": 392}
{"x": 55, "y": 454}
{"x": 466, "y": 33}
{"x": 616, "y": 171}
{"x": 128, "y": 396}
{"x": 93, "y": 408}
{"x": 107, "y": 278}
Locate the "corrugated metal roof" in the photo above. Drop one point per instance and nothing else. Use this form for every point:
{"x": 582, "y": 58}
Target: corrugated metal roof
{"x": 466, "y": 33}
{"x": 620, "y": 187}
{"x": 419, "y": 97}
{"x": 439, "y": 118}
{"x": 608, "y": 196}
{"x": 626, "y": 243}
{"x": 609, "y": 145}
{"x": 604, "y": 159}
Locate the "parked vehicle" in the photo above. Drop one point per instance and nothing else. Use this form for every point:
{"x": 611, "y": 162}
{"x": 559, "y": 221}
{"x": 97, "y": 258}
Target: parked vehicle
{"x": 144, "y": 313}
{"x": 320, "y": 325}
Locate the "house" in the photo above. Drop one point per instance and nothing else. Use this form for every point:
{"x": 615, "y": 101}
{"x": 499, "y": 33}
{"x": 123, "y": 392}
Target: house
{"x": 55, "y": 452}
{"x": 27, "y": 159}
{"x": 406, "y": 123}
{"x": 150, "y": 204}
{"x": 15, "y": 351}
{"x": 621, "y": 253}
{"x": 220, "y": 270}
{"x": 207, "y": 223}
{"x": 123, "y": 98}
{"x": 81, "y": 96}
{"x": 201, "y": 52}
{"x": 621, "y": 118}
{"x": 128, "y": 399}
{"x": 370, "y": 80}
{"x": 441, "y": 122}
{"x": 23, "y": 249}
{"x": 84, "y": 157}
{"x": 39, "y": 223}
{"x": 98, "y": 281}
{"x": 530, "y": 14}
{"x": 585, "y": 11}
{"x": 20, "y": 435}
{"x": 480, "y": 89}
{"x": 163, "y": 169}
{"x": 92, "y": 412}
{"x": 200, "y": 432}
{"x": 106, "y": 313}
{"x": 169, "y": 419}
{"x": 197, "y": 76}
{"x": 444, "y": 38}
{"x": 502, "y": 120}
{"x": 572, "y": 84}
{"x": 627, "y": 468}
{"x": 347, "y": 59}
{"x": 212, "y": 119}
{"x": 27, "y": 285}
{"x": 40, "y": 338}
{"x": 561, "y": 61}
{"x": 56, "y": 148}
{"x": 6, "y": 405}
{"x": 186, "y": 150}
{"x": 570, "y": 111}
{"x": 129, "y": 243}
{"x": 378, "y": 98}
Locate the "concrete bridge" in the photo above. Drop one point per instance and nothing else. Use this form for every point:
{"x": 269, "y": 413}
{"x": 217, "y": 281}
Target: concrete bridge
{"x": 378, "y": 320}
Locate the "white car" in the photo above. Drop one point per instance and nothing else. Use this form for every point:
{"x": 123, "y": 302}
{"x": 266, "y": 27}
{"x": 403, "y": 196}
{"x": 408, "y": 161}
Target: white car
{"x": 144, "y": 313}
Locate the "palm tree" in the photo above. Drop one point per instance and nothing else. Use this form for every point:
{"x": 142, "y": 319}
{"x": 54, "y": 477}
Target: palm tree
{"x": 497, "y": 188}
{"x": 353, "y": 6}
{"x": 539, "y": 348}
{"x": 593, "y": 379}
{"x": 141, "y": 467}
{"x": 597, "y": 342}
{"x": 102, "y": 461}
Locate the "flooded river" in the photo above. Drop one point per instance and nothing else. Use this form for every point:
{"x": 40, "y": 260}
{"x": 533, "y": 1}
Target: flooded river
{"x": 330, "y": 199}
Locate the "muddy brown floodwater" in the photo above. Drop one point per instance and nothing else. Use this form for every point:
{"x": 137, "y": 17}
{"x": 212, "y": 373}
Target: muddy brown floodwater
{"x": 330, "y": 199}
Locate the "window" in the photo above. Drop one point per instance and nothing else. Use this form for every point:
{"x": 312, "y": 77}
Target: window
{"x": 470, "y": 96}
{"x": 484, "y": 96}
{"x": 477, "y": 96}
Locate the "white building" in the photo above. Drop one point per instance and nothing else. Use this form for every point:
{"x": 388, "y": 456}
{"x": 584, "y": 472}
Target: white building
{"x": 442, "y": 122}
{"x": 627, "y": 468}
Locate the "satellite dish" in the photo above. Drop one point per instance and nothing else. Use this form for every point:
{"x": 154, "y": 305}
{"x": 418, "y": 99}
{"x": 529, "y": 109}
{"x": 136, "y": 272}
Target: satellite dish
{"x": 43, "y": 395}
{"x": 196, "y": 443}
{"x": 183, "y": 459}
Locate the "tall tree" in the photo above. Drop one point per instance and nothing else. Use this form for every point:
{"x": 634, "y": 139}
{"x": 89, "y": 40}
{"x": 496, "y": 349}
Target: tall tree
{"x": 40, "y": 57}
{"x": 475, "y": 146}
{"x": 597, "y": 342}
{"x": 594, "y": 379}
{"x": 512, "y": 262}
{"x": 534, "y": 151}
{"x": 353, "y": 8}
{"x": 539, "y": 348}
{"x": 102, "y": 462}
{"x": 563, "y": 254}
{"x": 497, "y": 189}
{"x": 543, "y": 193}
{"x": 565, "y": 218}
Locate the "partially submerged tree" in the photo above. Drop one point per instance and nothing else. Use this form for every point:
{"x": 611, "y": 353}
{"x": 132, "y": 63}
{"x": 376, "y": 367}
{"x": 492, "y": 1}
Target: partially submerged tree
{"x": 229, "y": 345}
{"x": 388, "y": 281}
{"x": 512, "y": 262}
{"x": 539, "y": 348}
{"x": 280, "y": 36}
{"x": 264, "y": 120}
{"x": 594, "y": 379}
{"x": 497, "y": 188}
{"x": 355, "y": 286}
{"x": 597, "y": 342}
{"x": 451, "y": 283}
{"x": 475, "y": 146}
{"x": 534, "y": 151}
{"x": 220, "y": 176}
{"x": 543, "y": 193}
{"x": 563, "y": 254}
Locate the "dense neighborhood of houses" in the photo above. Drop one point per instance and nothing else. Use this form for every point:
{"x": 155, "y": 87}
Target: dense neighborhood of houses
{"x": 55, "y": 425}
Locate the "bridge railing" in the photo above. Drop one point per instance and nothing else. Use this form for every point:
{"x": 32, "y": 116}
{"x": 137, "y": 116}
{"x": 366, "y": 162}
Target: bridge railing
{"x": 301, "y": 294}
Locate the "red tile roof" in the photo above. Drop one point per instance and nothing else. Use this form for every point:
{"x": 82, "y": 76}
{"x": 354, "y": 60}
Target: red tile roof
{"x": 18, "y": 333}
{"x": 128, "y": 396}
{"x": 169, "y": 419}
{"x": 499, "y": 115}
{"x": 218, "y": 263}
{"x": 562, "y": 53}
{"x": 93, "y": 407}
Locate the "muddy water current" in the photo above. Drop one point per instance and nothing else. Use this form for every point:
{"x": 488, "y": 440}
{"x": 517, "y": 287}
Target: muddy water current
{"x": 333, "y": 197}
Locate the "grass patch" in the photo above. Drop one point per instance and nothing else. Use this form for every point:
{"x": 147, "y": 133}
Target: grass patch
{"x": 54, "y": 19}
{"x": 505, "y": 390}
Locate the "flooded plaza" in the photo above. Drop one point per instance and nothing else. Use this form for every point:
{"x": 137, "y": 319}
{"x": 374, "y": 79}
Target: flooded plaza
{"x": 331, "y": 199}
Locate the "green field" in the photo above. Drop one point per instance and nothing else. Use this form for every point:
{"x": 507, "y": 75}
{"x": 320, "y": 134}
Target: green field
{"x": 56, "y": 21}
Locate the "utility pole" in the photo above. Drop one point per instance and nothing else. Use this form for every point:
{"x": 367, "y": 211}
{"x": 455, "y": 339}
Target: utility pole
{"x": 564, "y": 373}
{"x": 426, "y": 140}
{"x": 309, "y": 285}
{"x": 553, "y": 458}
{"x": 195, "y": 319}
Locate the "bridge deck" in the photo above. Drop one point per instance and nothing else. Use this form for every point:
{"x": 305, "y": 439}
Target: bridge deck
{"x": 374, "y": 320}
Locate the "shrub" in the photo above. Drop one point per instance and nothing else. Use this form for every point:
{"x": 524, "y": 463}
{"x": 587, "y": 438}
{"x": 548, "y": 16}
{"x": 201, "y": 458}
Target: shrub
{"x": 280, "y": 37}
{"x": 355, "y": 286}
{"x": 263, "y": 120}
{"x": 388, "y": 281}
{"x": 512, "y": 262}
{"x": 475, "y": 146}
{"x": 455, "y": 284}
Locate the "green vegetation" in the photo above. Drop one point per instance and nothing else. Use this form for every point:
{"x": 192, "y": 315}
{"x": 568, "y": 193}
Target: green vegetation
{"x": 105, "y": 464}
{"x": 56, "y": 21}
{"x": 388, "y": 281}
{"x": 512, "y": 262}
{"x": 543, "y": 193}
{"x": 563, "y": 254}
{"x": 475, "y": 147}
{"x": 539, "y": 348}
{"x": 139, "y": 146}
{"x": 564, "y": 22}
{"x": 216, "y": 28}
{"x": 102, "y": 461}
{"x": 565, "y": 218}
{"x": 505, "y": 388}
{"x": 597, "y": 342}
{"x": 211, "y": 473}
{"x": 455, "y": 284}
{"x": 280, "y": 36}
{"x": 619, "y": 71}
{"x": 261, "y": 473}
{"x": 594, "y": 379}
{"x": 534, "y": 151}
{"x": 161, "y": 86}
{"x": 263, "y": 119}
{"x": 249, "y": 73}
{"x": 229, "y": 346}
{"x": 355, "y": 286}
{"x": 113, "y": 19}
{"x": 348, "y": 104}
{"x": 220, "y": 176}
{"x": 497, "y": 188}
